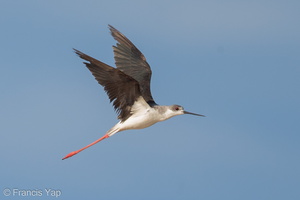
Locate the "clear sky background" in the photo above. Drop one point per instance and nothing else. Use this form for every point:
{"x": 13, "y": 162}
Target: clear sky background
{"x": 237, "y": 62}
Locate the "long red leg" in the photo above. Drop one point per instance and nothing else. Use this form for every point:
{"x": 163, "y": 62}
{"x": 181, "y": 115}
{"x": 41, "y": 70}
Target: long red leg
{"x": 76, "y": 152}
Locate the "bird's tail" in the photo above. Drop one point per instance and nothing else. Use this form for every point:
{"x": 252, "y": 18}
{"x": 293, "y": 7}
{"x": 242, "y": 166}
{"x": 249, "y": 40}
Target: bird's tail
{"x": 109, "y": 133}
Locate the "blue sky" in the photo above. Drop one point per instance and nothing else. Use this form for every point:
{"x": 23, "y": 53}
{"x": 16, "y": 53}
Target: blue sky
{"x": 237, "y": 62}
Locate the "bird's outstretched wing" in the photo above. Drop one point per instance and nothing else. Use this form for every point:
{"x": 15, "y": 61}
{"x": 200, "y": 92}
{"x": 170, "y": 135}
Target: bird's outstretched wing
{"x": 122, "y": 90}
{"x": 132, "y": 62}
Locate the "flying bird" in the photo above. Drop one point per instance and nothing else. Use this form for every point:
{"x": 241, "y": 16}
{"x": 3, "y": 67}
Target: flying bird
{"x": 128, "y": 88}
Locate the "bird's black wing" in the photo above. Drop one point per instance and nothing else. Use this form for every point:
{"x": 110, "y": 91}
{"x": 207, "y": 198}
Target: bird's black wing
{"x": 122, "y": 90}
{"x": 133, "y": 63}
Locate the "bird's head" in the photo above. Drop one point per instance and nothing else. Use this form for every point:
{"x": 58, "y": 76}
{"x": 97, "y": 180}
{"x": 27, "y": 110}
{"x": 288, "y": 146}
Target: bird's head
{"x": 178, "y": 110}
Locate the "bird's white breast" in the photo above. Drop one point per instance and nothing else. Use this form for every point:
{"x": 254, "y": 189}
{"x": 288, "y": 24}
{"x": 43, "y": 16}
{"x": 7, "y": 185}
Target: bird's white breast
{"x": 142, "y": 116}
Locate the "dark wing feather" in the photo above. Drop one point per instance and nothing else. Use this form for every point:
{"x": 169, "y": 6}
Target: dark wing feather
{"x": 132, "y": 62}
{"x": 121, "y": 89}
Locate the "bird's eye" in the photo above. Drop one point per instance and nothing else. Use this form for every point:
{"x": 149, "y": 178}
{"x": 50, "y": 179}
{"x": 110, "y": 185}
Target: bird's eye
{"x": 176, "y": 108}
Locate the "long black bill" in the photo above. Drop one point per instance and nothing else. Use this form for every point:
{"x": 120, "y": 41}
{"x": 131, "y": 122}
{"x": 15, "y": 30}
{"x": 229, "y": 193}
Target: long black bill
{"x": 186, "y": 112}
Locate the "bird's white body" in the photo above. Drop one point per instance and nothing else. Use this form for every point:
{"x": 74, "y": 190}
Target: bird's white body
{"x": 143, "y": 116}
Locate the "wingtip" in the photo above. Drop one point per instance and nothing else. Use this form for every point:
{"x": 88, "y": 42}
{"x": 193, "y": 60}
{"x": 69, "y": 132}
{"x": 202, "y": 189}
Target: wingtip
{"x": 79, "y": 53}
{"x": 111, "y": 27}
{"x": 115, "y": 32}
{"x": 76, "y": 51}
